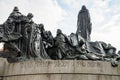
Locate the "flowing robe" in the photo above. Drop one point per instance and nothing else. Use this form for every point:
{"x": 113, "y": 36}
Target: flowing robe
{"x": 36, "y": 47}
{"x": 84, "y": 24}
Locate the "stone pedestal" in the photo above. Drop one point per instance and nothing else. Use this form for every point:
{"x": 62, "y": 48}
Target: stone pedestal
{"x": 3, "y": 65}
{"x": 59, "y": 70}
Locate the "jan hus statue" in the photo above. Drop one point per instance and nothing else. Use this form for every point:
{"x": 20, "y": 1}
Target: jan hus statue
{"x": 84, "y": 23}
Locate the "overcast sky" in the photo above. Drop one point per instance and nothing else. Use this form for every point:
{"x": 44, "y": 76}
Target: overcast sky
{"x": 62, "y": 14}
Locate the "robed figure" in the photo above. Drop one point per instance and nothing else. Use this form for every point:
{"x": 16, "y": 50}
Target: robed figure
{"x": 84, "y": 24}
{"x": 22, "y": 38}
{"x": 36, "y": 49}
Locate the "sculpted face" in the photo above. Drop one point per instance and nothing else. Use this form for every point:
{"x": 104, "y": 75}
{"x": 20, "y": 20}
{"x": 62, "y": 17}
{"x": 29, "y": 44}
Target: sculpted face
{"x": 83, "y": 7}
{"x": 59, "y": 31}
{"x": 41, "y": 26}
{"x": 16, "y": 9}
{"x": 30, "y": 15}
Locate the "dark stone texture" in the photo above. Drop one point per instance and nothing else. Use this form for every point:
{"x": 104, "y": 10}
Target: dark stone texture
{"x": 26, "y": 40}
{"x": 84, "y": 25}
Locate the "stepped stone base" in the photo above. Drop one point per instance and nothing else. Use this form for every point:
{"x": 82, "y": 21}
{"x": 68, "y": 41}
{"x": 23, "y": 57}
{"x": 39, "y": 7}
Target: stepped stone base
{"x": 58, "y": 70}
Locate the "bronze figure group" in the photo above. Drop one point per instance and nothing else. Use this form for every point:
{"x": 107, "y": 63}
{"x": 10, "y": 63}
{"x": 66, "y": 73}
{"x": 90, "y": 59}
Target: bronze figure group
{"x": 25, "y": 40}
